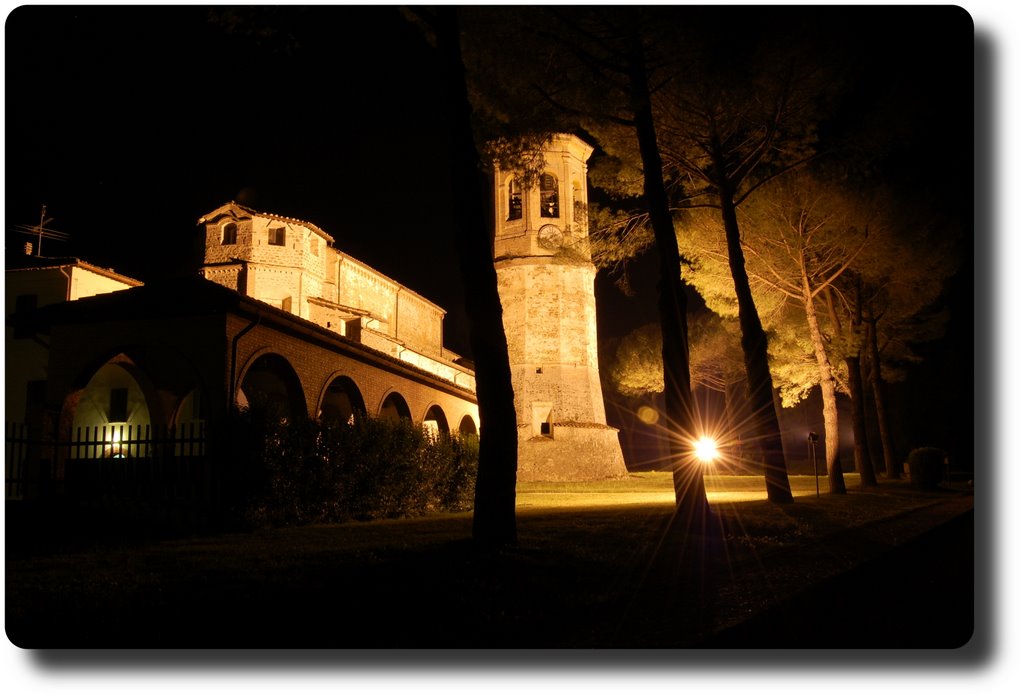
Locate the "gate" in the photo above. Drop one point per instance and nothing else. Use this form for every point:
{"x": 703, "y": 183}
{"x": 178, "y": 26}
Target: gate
{"x": 139, "y": 470}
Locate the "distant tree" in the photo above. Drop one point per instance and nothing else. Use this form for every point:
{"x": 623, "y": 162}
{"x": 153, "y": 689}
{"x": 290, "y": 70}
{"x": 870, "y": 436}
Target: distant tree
{"x": 901, "y": 285}
{"x": 741, "y": 107}
{"x": 637, "y": 368}
{"x": 802, "y": 237}
{"x": 743, "y": 111}
{"x": 716, "y": 364}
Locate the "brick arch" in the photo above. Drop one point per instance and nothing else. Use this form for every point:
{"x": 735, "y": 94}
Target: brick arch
{"x": 394, "y": 406}
{"x": 191, "y": 408}
{"x": 435, "y": 414}
{"x": 269, "y": 380}
{"x": 467, "y": 425}
{"x": 340, "y": 398}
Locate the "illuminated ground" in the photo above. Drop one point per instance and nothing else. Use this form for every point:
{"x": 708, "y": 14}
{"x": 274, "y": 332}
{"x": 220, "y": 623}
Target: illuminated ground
{"x": 655, "y": 487}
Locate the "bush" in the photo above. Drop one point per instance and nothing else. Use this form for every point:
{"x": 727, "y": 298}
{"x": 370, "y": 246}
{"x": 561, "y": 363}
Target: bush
{"x": 927, "y": 467}
{"x": 305, "y": 472}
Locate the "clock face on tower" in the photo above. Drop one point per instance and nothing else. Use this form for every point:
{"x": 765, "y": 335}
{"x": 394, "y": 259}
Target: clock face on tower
{"x": 549, "y": 236}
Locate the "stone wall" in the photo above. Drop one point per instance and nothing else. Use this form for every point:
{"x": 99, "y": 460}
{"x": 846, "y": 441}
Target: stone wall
{"x": 550, "y": 320}
{"x": 573, "y": 453}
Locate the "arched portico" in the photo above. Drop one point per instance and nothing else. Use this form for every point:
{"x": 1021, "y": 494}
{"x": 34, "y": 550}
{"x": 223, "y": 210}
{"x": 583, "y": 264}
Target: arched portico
{"x": 269, "y": 383}
{"x": 394, "y": 407}
{"x": 340, "y": 401}
{"x": 467, "y": 426}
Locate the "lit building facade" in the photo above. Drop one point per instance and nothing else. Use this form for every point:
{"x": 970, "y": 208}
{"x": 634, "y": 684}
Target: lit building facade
{"x": 292, "y": 265}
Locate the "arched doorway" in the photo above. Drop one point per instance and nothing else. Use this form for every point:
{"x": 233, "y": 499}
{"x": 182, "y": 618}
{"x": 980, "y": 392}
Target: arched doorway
{"x": 112, "y": 414}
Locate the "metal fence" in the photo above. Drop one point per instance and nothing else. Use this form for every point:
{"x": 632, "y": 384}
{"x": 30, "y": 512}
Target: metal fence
{"x": 142, "y": 466}
{"x": 16, "y": 456}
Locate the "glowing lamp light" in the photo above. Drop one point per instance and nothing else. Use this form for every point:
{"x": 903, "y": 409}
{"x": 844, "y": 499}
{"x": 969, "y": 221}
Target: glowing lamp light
{"x": 706, "y": 449}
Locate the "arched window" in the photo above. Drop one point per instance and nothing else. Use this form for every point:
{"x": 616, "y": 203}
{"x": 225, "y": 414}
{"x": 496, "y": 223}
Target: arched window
{"x": 229, "y": 234}
{"x": 515, "y": 200}
{"x": 549, "y": 196}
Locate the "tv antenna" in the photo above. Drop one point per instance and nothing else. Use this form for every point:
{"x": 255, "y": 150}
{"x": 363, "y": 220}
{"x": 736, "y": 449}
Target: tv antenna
{"x": 41, "y": 231}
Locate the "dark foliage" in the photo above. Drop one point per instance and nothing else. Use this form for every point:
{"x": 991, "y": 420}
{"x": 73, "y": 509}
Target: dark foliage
{"x": 305, "y": 472}
{"x": 927, "y": 467}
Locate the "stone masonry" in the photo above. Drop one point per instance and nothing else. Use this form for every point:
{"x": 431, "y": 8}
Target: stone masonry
{"x": 546, "y": 285}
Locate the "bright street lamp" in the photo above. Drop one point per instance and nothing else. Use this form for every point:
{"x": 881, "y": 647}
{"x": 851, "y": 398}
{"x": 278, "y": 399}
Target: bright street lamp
{"x": 706, "y": 449}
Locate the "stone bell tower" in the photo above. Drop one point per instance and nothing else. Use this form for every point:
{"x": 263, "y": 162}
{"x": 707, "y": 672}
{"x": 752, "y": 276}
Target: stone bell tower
{"x": 546, "y": 285}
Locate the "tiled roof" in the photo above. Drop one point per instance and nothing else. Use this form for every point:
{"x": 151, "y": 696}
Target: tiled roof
{"x": 27, "y": 263}
{"x": 275, "y": 217}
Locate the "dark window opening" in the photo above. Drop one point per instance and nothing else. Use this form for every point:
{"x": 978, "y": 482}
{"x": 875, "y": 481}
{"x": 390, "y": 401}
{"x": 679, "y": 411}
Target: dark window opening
{"x": 515, "y": 201}
{"x": 548, "y": 196}
{"x": 118, "y": 405}
{"x": 545, "y": 429}
{"x": 276, "y": 236}
{"x": 230, "y": 234}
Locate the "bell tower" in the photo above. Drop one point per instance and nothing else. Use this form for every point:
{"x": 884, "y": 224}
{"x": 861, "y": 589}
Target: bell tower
{"x": 546, "y": 284}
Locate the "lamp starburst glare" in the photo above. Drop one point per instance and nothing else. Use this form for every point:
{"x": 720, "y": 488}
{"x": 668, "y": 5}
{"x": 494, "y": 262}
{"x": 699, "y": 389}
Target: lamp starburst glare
{"x": 706, "y": 449}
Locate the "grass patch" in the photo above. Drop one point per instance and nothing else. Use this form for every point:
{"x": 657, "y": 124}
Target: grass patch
{"x": 580, "y": 576}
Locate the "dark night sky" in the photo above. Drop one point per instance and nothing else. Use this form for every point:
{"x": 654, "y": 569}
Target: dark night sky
{"x": 130, "y": 123}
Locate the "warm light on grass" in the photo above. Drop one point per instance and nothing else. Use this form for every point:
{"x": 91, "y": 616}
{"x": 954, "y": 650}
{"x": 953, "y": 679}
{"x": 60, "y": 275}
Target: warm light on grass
{"x": 652, "y": 488}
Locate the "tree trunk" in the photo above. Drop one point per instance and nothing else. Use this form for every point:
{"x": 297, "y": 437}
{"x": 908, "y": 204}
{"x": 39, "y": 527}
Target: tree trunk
{"x": 754, "y": 341}
{"x": 494, "y": 514}
{"x": 892, "y": 468}
{"x": 829, "y": 411}
{"x": 861, "y": 454}
{"x": 688, "y": 477}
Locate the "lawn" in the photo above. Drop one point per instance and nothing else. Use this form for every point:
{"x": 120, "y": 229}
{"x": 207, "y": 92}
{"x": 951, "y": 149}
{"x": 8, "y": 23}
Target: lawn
{"x": 592, "y": 569}
{"x": 655, "y": 487}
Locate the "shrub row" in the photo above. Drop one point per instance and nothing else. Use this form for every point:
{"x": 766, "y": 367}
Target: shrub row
{"x": 303, "y": 472}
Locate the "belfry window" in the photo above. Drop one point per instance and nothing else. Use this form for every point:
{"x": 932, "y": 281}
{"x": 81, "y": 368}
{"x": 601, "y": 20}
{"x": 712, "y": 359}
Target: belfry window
{"x": 229, "y": 234}
{"x": 515, "y": 200}
{"x": 276, "y": 236}
{"x": 549, "y": 196}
